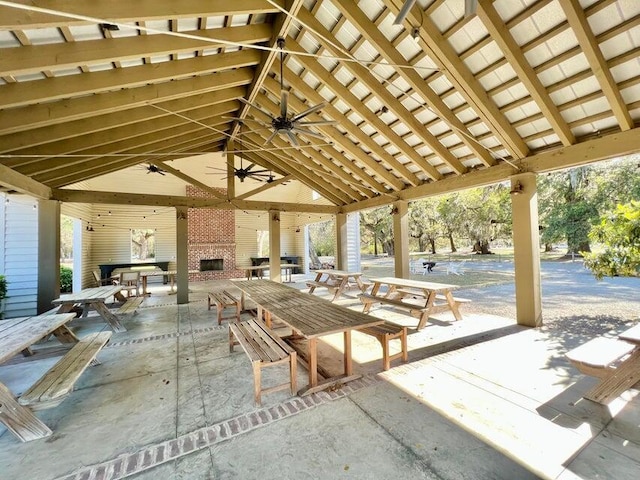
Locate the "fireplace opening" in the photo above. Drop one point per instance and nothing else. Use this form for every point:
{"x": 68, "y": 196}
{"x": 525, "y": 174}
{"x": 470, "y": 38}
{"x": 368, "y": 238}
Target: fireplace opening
{"x": 211, "y": 264}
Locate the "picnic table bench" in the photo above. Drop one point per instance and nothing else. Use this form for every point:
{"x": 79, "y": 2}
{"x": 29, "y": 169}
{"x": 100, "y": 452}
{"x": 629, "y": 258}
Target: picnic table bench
{"x": 384, "y": 333}
{"x": 336, "y": 281}
{"x": 17, "y": 335}
{"x": 421, "y": 299}
{"x": 221, "y": 300}
{"x": 264, "y": 348}
{"x": 615, "y": 361}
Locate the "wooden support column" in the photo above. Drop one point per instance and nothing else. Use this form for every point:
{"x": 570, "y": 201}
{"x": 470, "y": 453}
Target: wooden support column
{"x": 342, "y": 250}
{"x": 401, "y": 238}
{"x": 48, "y": 253}
{"x": 526, "y": 248}
{"x": 231, "y": 175}
{"x": 274, "y": 246}
{"x": 182, "y": 255}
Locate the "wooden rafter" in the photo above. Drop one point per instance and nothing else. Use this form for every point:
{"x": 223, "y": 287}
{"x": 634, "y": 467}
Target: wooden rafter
{"x": 524, "y": 71}
{"x": 578, "y": 21}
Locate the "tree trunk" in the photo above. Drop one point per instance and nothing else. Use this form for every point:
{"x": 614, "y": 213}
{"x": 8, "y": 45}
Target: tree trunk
{"x": 452, "y": 244}
{"x": 432, "y": 242}
{"x": 481, "y": 247}
{"x": 375, "y": 244}
{"x": 548, "y": 247}
{"x": 313, "y": 256}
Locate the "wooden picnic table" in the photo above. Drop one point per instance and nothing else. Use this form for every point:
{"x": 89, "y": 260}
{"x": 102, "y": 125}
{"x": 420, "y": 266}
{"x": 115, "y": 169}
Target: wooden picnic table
{"x": 287, "y": 268}
{"x": 145, "y": 274}
{"x": 613, "y": 380}
{"x": 309, "y": 317}
{"x": 17, "y": 335}
{"x": 96, "y": 297}
{"x": 419, "y": 297}
{"x": 336, "y": 280}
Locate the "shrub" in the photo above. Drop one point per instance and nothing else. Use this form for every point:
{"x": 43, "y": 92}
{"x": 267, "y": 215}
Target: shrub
{"x": 3, "y": 287}
{"x": 66, "y": 279}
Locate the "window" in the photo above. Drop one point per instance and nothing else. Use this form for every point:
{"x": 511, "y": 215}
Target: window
{"x": 143, "y": 245}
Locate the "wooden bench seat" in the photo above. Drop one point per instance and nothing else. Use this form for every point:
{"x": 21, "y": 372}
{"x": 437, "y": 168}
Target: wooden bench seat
{"x": 599, "y": 355}
{"x": 130, "y": 306}
{"x": 420, "y": 294}
{"x": 367, "y": 298}
{"x": 264, "y": 348}
{"x": 386, "y": 332}
{"x": 59, "y": 381}
{"x": 223, "y": 299}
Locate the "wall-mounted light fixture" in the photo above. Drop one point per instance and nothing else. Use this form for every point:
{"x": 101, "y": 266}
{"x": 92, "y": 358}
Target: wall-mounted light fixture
{"x": 394, "y": 210}
{"x": 275, "y": 217}
{"x": 517, "y": 189}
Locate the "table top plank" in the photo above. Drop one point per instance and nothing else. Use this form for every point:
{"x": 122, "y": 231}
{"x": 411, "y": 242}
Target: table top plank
{"x": 97, "y": 294}
{"x": 16, "y": 334}
{"x": 406, "y": 282}
{"x": 631, "y": 335}
{"x": 339, "y": 273}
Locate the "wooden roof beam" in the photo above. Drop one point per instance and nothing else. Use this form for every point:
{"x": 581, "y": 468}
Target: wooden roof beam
{"x": 127, "y": 11}
{"x": 393, "y": 56}
{"x": 39, "y": 140}
{"x": 591, "y": 49}
{"x": 13, "y": 180}
{"x": 499, "y": 33}
{"x": 21, "y": 119}
{"x": 386, "y": 98}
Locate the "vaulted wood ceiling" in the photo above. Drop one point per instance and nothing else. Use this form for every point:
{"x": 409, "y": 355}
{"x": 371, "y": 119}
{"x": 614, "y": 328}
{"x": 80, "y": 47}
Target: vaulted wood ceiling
{"x": 437, "y": 103}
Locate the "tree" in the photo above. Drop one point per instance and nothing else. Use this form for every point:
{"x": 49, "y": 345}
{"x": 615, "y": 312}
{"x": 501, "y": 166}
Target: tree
{"x": 321, "y": 236}
{"x": 66, "y": 237}
{"x": 378, "y": 222}
{"x": 487, "y": 215}
{"x": 424, "y": 223}
{"x": 619, "y": 232}
{"x": 451, "y": 212}
{"x": 143, "y": 244}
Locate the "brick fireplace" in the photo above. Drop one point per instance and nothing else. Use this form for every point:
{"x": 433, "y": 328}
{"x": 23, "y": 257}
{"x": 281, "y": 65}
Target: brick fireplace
{"x": 211, "y": 236}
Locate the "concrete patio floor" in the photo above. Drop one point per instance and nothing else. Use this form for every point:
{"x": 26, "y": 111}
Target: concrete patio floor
{"x": 481, "y": 398}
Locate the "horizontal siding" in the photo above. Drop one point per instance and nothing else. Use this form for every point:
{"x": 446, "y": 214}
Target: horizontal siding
{"x": 20, "y": 255}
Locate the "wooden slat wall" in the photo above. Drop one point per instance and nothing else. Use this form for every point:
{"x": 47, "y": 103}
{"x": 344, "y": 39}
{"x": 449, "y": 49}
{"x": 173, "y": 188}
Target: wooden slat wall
{"x": 19, "y": 250}
{"x": 111, "y": 241}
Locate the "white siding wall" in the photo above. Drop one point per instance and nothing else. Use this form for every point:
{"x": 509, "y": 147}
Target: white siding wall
{"x": 353, "y": 242}
{"x": 111, "y": 242}
{"x": 19, "y": 249}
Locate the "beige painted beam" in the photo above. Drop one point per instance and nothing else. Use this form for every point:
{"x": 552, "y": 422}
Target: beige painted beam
{"x": 512, "y": 52}
{"x": 145, "y": 137}
{"x": 342, "y": 242}
{"x": 13, "y": 180}
{"x": 67, "y": 132}
{"x": 443, "y": 54}
{"x": 119, "y": 198}
{"x": 265, "y": 187}
{"x": 387, "y": 98}
{"x": 275, "y": 274}
{"x": 591, "y": 50}
{"x": 610, "y": 146}
{"x": 102, "y": 166}
{"x": 21, "y": 94}
{"x": 48, "y": 244}
{"x": 526, "y": 250}
{"x": 401, "y": 239}
{"x": 16, "y": 120}
{"x": 182, "y": 255}
{"x": 196, "y": 183}
{"x": 127, "y": 11}
{"x": 388, "y": 51}
{"x": 57, "y": 167}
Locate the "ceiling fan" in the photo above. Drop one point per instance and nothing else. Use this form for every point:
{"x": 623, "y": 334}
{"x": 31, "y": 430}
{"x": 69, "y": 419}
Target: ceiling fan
{"x": 151, "y": 168}
{"x": 470, "y": 7}
{"x": 246, "y": 172}
{"x": 287, "y": 123}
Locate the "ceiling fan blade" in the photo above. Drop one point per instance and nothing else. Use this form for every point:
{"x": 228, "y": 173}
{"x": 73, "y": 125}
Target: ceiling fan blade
{"x": 309, "y": 111}
{"x": 404, "y": 11}
{"x": 249, "y": 167}
{"x": 271, "y": 137}
{"x": 319, "y": 122}
{"x": 258, "y": 172}
{"x": 284, "y": 102}
{"x": 310, "y": 133}
{"x": 246, "y": 102}
{"x": 293, "y": 138}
